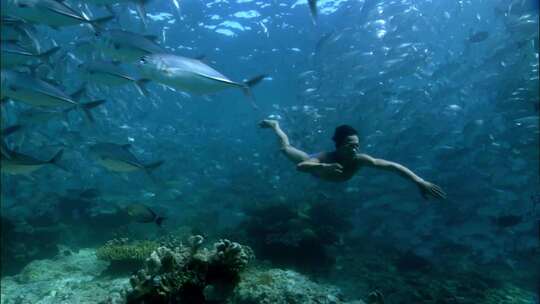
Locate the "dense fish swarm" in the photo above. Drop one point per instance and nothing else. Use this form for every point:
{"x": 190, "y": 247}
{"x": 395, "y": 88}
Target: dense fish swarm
{"x": 147, "y": 122}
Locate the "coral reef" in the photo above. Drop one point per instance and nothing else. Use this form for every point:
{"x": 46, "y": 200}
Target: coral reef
{"x": 224, "y": 273}
{"x": 189, "y": 274}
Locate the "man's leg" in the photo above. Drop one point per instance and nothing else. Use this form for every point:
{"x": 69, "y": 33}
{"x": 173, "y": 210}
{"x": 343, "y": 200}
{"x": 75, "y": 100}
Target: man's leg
{"x": 295, "y": 155}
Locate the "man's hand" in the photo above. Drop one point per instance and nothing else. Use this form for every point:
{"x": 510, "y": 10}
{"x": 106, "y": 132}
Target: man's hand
{"x": 428, "y": 189}
{"x": 333, "y": 168}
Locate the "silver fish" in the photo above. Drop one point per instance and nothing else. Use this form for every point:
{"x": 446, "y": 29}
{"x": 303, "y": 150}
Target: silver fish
{"x": 313, "y": 10}
{"x": 139, "y": 4}
{"x": 4, "y": 149}
{"x": 118, "y": 158}
{"x": 19, "y": 163}
{"x": 12, "y": 54}
{"x": 42, "y": 117}
{"x": 18, "y": 30}
{"x": 49, "y": 12}
{"x": 36, "y": 92}
{"x": 127, "y": 46}
{"x": 189, "y": 75}
{"x": 111, "y": 74}
{"x": 143, "y": 214}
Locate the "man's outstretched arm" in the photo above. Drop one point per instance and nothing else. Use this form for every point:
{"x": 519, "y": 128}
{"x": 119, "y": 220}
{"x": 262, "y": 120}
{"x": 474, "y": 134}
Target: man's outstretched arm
{"x": 316, "y": 167}
{"x": 426, "y": 188}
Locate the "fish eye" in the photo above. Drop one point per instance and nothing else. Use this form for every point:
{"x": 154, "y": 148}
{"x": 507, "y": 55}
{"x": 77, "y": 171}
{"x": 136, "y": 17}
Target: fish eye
{"x": 142, "y": 60}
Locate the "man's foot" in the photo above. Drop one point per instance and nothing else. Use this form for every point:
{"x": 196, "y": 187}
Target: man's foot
{"x": 268, "y": 123}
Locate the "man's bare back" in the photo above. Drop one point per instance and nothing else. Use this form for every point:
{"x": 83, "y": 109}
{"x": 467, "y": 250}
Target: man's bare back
{"x": 343, "y": 163}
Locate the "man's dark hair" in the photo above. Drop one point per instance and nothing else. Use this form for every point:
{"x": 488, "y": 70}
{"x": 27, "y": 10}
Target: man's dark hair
{"x": 341, "y": 133}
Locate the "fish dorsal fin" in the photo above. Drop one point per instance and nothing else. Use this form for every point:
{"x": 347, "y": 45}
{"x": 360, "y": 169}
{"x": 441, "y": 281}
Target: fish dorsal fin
{"x": 52, "y": 82}
{"x": 77, "y": 95}
{"x": 152, "y": 37}
{"x": 65, "y": 10}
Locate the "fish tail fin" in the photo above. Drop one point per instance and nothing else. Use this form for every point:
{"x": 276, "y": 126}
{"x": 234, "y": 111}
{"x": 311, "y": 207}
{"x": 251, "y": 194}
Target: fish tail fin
{"x": 86, "y": 107}
{"x": 149, "y": 169}
{"x": 255, "y": 80}
{"x": 141, "y": 11}
{"x": 5, "y": 151}
{"x": 28, "y": 33}
{"x": 141, "y": 86}
{"x": 33, "y": 68}
{"x": 249, "y": 95}
{"x": 11, "y": 129}
{"x": 109, "y": 9}
{"x": 313, "y": 10}
{"x": 248, "y": 84}
{"x": 77, "y": 95}
{"x": 152, "y": 166}
{"x": 65, "y": 113}
{"x": 4, "y": 148}
{"x": 98, "y": 23}
{"x": 45, "y": 56}
{"x": 55, "y": 160}
{"x": 159, "y": 220}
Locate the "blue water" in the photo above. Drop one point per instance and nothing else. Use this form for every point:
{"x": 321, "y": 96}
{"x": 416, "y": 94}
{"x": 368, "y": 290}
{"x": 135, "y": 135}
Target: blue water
{"x": 417, "y": 80}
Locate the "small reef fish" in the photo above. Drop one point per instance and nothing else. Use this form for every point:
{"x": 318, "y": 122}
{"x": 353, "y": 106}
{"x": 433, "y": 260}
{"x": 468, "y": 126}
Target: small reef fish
{"x": 143, "y": 214}
{"x": 19, "y": 163}
{"x": 118, "y": 158}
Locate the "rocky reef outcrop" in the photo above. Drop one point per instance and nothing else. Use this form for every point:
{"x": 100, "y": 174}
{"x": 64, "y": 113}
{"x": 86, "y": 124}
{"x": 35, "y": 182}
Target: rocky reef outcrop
{"x": 190, "y": 274}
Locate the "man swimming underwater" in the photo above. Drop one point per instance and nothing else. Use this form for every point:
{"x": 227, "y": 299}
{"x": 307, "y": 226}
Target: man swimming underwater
{"x": 341, "y": 165}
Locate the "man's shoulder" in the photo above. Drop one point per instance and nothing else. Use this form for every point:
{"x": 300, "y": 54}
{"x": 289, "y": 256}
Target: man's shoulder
{"x": 323, "y": 157}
